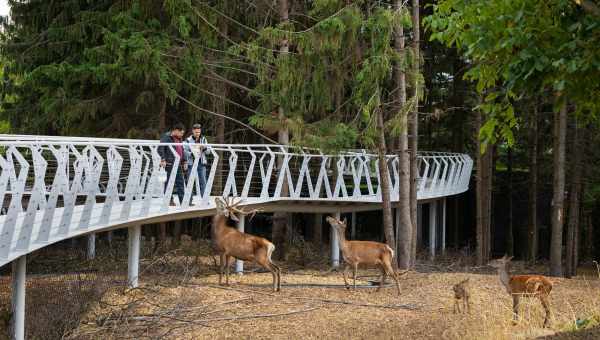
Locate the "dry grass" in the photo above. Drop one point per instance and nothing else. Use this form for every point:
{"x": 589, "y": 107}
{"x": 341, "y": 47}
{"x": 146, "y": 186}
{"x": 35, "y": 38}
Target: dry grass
{"x": 196, "y": 308}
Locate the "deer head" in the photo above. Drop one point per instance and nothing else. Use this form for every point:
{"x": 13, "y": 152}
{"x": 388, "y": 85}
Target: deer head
{"x": 501, "y": 262}
{"x": 340, "y": 226}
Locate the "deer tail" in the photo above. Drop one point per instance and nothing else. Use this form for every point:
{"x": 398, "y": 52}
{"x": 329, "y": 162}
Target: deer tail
{"x": 270, "y": 249}
{"x": 390, "y": 250}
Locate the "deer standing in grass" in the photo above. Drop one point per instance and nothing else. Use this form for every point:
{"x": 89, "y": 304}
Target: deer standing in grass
{"x": 228, "y": 242}
{"x": 524, "y": 286}
{"x": 364, "y": 252}
{"x": 461, "y": 292}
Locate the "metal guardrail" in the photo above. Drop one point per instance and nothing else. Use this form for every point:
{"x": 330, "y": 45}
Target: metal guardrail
{"x": 55, "y": 188}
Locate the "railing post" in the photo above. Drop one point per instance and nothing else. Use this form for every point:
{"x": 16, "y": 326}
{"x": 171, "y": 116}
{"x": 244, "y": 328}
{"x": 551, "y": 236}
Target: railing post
{"x": 432, "y": 228}
{"x": 239, "y": 264}
{"x": 19, "y": 272}
{"x": 335, "y": 244}
{"x": 133, "y": 260}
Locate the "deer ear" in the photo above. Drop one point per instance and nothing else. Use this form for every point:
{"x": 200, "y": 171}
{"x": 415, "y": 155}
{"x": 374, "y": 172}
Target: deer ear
{"x": 509, "y": 258}
{"x": 234, "y": 217}
{"x": 344, "y": 222}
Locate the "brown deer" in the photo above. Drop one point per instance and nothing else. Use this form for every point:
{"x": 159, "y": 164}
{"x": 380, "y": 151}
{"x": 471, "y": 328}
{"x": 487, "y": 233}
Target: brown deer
{"x": 524, "y": 286}
{"x": 461, "y": 292}
{"x": 228, "y": 242}
{"x": 364, "y": 252}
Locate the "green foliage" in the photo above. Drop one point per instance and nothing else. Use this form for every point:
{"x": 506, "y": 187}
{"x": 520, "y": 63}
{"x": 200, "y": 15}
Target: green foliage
{"x": 334, "y": 78}
{"x": 518, "y": 48}
{"x": 98, "y": 66}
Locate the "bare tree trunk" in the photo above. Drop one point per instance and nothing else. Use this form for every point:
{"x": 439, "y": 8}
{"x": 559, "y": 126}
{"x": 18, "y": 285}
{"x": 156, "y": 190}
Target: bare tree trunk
{"x": 479, "y": 192}
{"x": 533, "y": 185}
{"x": 280, "y": 219}
{"x": 589, "y": 243}
{"x": 574, "y": 194}
{"x": 405, "y": 228}
{"x": 318, "y": 231}
{"x": 414, "y": 128}
{"x": 483, "y": 195}
{"x": 510, "y": 240}
{"x": 560, "y": 134}
{"x": 384, "y": 173}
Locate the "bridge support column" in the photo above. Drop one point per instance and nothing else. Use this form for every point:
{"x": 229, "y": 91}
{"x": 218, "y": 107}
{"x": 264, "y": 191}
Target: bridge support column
{"x": 239, "y": 264}
{"x": 91, "y": 246}
{"x": 353, "y": 226}
{"x": 432, "y": 228}
{"x": 19, "y": 272}
{"x": 335, "y": 244}
{"x": 443, "y": 225}
{"x": 133, "y": 260}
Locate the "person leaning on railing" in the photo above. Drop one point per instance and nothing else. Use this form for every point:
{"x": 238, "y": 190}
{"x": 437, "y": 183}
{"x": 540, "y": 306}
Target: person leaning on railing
{"x": 167, "y": 158}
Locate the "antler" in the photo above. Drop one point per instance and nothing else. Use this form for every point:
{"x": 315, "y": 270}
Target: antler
{"x": 232, "y": 206}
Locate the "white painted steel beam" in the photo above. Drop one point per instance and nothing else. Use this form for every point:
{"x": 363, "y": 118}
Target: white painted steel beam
{"x": 239, "y": 264}
{"x": 432, "y": 228}
{"x": 133, "y": 258}
{"x": 335, "y": 244}
{"x": 19, "y": 278}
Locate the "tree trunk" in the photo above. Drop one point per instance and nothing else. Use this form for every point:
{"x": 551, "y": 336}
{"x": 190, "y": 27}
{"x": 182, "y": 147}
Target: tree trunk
{"x": 318, "y": 231}
{"x": 589, "y": 236}
{"x": 405, "y": 229}
{"x": 560, "y": 133}
{"x": 384, "y": 175}
{"x": 280, "y": 219}
{"x": 483, "y": 195}
{"x": 574, "y": 194}
{"x": 414, "y": 128}
{"x": 533, "y": 185}
{"x": 479, "y": 187}
{"x": 510, "y": 241}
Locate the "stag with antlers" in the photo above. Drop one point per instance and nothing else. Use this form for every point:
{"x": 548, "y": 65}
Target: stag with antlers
{"x": 228, "y": 242}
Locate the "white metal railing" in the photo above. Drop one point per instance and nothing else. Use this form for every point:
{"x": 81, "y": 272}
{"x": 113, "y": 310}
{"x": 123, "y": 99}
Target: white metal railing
{"x": 54, "y": 188}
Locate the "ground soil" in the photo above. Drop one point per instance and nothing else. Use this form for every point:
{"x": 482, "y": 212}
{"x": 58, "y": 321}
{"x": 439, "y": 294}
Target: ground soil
{"x": 197, "y": 308}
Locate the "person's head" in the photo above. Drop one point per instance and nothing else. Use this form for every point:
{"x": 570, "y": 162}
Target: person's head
{"x": 197, "y": 130}
{"x": 178, "y": 130}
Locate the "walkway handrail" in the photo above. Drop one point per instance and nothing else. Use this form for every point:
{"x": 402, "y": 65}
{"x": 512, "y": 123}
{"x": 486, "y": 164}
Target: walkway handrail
{"x": 55, "y": 188}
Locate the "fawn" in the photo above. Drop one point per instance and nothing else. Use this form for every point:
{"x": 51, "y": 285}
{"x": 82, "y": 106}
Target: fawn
{"x": 461, "y": 292}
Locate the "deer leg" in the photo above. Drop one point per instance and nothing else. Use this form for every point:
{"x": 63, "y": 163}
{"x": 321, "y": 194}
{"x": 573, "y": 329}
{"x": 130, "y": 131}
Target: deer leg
{"x": 345, "y": 273}
{"x": 227, "y": 257}
{"x": 456, "y": 306}
{"x": 354, "y": 269}
{"x": 275, "y": 271}
{"x": 468, "y": 304}
{"x": 515, "y": 308}
{"x": 390, "y": 271}
{"x": 221, "y": 268}
{"x": 546, "y": 305}
{"x": 278, "y": 271}
{"x": 382, "y": 278}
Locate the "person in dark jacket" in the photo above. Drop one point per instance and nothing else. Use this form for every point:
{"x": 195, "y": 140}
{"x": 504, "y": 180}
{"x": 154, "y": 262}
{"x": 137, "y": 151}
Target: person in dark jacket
{"x": 198, "y": 141}
{"x": 168, "y": 157}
